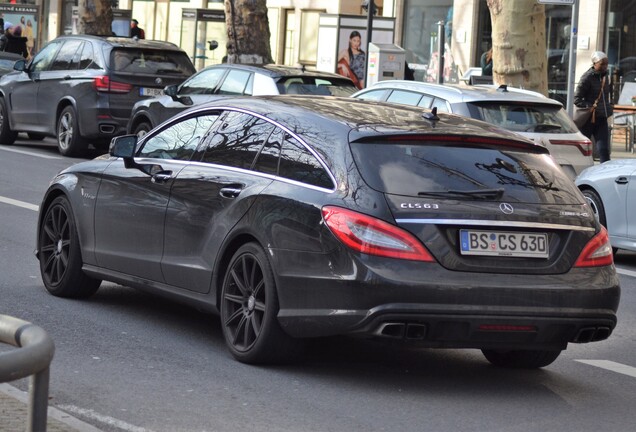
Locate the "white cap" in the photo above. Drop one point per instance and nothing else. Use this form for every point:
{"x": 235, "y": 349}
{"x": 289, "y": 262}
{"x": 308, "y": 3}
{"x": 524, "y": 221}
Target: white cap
{"x": 597, "y": 56}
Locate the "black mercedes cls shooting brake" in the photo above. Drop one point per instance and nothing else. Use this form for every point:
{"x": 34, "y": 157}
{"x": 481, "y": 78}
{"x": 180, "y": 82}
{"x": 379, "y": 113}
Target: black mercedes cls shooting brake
{"x": 296, "y": 217}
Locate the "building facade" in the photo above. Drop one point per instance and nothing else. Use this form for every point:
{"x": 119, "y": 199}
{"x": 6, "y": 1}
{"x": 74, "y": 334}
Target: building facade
{"x": 604, "y": 25}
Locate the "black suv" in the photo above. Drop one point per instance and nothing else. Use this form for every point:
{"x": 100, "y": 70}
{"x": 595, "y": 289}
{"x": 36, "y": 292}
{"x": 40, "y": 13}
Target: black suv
{"x": 81, "y": 88}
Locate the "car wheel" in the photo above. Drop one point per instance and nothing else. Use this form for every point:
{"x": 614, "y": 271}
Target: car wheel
{"x": 523, "y": 359}
{"x": 249, "y": 307}
{"x": 142, "y": 129}
{"x": 7, "y": 136}
{"x": 594, "y": 200}
{"x": 60, "y": 255}
{"x": 36, "y": 136}
{"x": 69, "y": 142}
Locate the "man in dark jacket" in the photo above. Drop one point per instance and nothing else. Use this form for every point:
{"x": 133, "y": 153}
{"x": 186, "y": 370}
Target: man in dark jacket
{"x": 595, "y": 89}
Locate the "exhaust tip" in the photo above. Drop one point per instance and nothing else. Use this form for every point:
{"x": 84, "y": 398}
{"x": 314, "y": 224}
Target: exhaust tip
{"x": 392, "y": 330}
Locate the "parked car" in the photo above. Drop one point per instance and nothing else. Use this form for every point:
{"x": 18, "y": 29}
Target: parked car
{"x": 82, "y": 88}
{"x": 607, "y": 190}
{"x": 7, "y": 61}
{"x": 530, "y": 114}
{"x": 234, "y": 80}
{"x": 297, "y": 217}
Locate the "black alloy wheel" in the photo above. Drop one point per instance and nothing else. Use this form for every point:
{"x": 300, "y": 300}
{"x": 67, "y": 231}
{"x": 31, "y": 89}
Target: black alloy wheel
{"x": 249, "y": 305}
{"x": 60, "y": 255}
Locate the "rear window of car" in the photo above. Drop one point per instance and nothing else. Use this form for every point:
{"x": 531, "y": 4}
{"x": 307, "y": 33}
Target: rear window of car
{"x": 325, "y": 86}
{"x": 535, "y": 118}
{"x": 151, "y": 62}
{"x": 417, "y": 168}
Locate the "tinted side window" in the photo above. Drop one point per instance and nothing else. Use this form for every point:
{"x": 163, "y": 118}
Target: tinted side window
{"x": 66, "y": 58}
{"x": 43, "y": 59}
{"x": 235, "y": 82}
{"x": 267, "y": 161}
{"x": 425, "y": 101}
{"x": 87, "y": 57}
{"x": 180, "y": 140}
{"x": 237, "y": 142}
{"x": 298, "y": 163}
{"x": 202, "y": 83}
{"x": 440, "y": 104}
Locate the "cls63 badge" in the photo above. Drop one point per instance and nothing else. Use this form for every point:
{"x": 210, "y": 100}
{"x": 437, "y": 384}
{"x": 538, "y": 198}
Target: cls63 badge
{"x": 415, "y": 206}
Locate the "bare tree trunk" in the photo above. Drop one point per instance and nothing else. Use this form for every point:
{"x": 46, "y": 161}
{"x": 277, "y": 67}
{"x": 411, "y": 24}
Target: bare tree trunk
{"x": 519, "y": 46}
{"x": 95, "y": 17}
{"x": 247, "y": 32}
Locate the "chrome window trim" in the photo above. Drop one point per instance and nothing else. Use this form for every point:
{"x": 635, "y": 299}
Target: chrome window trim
{"x": 494, "y": 223}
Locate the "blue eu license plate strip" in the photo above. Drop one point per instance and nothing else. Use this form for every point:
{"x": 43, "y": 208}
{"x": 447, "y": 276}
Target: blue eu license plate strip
{"x": 497, "y": 243}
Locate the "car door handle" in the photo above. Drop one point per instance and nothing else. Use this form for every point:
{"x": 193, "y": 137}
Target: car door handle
{"x": 230, "y": 192}
{"x": 621, "y": 180}
{"x": 161, "y": 176}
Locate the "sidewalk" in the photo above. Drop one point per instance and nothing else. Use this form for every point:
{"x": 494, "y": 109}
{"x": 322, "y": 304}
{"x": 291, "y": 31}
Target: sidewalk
{"x": 14, "y": 409}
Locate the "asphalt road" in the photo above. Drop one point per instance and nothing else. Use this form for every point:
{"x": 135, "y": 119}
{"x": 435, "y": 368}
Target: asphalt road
{"x": 128, "y": 361}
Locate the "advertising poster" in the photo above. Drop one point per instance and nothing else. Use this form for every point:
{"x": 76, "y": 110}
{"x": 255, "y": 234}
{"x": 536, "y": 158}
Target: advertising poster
{"x": 352, "y": 55}
{"x": 23, "y": 15}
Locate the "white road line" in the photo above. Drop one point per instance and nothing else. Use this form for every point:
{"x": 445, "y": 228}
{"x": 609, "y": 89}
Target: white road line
{"x": 611, "y": 366}
{"x": 626, "y": 272}
{"x": 19, "y": 203}
{"x": 30, "y": 153}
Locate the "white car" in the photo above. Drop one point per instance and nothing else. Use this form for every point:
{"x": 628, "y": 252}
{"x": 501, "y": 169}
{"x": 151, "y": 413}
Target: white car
{"x": 528, "y": 113}
{"x": 609, "y": 190}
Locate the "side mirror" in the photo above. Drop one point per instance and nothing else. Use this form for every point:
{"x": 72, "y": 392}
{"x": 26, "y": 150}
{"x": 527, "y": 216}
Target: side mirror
{"x": 171, "y": 91}
{"x": 20, "y": 65}
{"x": 123, "y": 146}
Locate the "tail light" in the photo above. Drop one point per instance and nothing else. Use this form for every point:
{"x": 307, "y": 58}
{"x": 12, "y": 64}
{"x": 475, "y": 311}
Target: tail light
{"x": 373, "y": 236}
{"x": 597, "y": 252}
{"x": 584, "y": 146}
{"x": 105, "y": 84}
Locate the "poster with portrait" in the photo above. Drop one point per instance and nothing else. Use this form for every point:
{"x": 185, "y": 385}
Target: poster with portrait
{"x": 352, "y": 54}
{"x": 26, "y": 17}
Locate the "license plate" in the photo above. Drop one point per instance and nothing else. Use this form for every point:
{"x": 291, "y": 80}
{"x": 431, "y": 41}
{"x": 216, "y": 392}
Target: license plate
{"x": 497, "y": 243}
{"x": 150, "y": 91}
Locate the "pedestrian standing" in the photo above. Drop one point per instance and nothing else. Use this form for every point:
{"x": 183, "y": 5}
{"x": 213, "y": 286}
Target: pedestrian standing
{"x": 595, "y": 90}
{"x": 136, "y": 31}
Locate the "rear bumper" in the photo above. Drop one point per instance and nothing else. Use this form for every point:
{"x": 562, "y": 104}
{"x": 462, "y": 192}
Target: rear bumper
{"x": 425, "y": 303}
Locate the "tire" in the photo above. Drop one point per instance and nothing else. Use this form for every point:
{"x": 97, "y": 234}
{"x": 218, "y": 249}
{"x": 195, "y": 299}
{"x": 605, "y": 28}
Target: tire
{"x": 142, "y": 129}
{"x": 521, "y": 359}
{"x": 594, "y": 200}
{"x": 7, "y": 136}
{"x": 249, "y": 308}
{"x": 69, "y": 142}
{"x": 60, "y": 255}
{"x": 36, "y": 136}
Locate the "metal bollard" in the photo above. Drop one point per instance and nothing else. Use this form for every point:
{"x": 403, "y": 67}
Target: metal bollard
{"x": 33, "y": 358}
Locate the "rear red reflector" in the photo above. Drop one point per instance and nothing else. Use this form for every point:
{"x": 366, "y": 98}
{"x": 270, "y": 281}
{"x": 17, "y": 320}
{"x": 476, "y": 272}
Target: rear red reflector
{"x": 105, "y": 84}
{"x": 585, "y": 146}
{"x": 373, "y": 236}
{"x": 507, "y": 328}
{"x": 597, "y": 252}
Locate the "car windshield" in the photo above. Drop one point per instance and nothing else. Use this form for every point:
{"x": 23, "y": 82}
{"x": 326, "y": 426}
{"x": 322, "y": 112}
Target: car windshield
{"x": 535, "y": 118}
{"x": 151, "y": 62}
{"x": 325, "y": 86}
{"x": 462, "y": 172}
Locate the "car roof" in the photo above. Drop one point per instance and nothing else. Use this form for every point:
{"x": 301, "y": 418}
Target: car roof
{"x": 10, "y": 56}
{"x": 362, "y": 118}
{"x": 124, "y": 42}
{"x": 454, "y": 93}
{"x": 278, "y": 71}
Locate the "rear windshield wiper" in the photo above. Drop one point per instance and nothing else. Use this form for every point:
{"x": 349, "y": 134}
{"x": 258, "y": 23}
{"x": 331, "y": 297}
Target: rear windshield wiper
{"x": 478, "y": 193}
